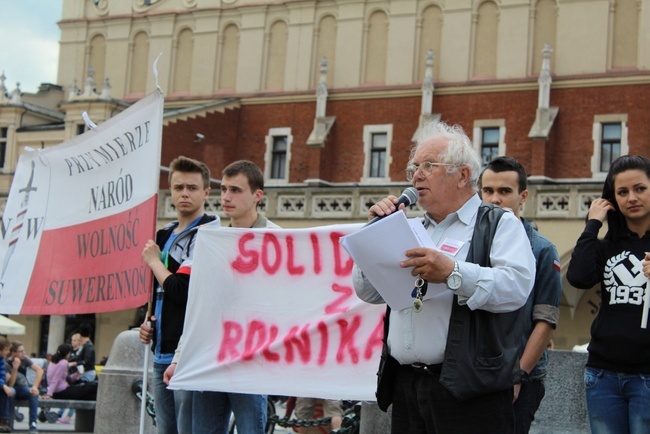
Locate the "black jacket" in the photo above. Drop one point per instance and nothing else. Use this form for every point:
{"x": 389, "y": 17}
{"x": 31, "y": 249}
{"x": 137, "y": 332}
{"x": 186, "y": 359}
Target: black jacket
{"x": 175, "y": 286}
{"x": 482, "y": 352}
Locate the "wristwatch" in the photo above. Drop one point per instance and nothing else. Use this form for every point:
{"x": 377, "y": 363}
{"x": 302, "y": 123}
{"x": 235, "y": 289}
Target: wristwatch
{"x": 455, "y": 279}
{"x": 523, "y": 377}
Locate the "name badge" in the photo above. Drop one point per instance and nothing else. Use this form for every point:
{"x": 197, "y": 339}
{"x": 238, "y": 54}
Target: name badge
{"x": 451, "y": 246}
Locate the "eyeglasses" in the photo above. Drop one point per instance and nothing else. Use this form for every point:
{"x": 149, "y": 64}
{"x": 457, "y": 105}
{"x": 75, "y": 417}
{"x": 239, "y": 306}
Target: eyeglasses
{"x": 425, "y": 168}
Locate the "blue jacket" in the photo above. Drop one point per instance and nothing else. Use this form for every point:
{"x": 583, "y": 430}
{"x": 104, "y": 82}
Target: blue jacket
{"x": 544, "y": 299}
{"x": 3, "y": 372}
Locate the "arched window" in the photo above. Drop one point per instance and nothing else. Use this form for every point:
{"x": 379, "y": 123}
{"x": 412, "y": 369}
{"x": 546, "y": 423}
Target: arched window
{"x": 183, "y": 63}
{"x": 430, "y": 40}
{"x": 98, "y": 58}
{"x": 485, "y": 42}
{"x": 376, "y": 46}
{"x": 545, "y": 31}
{"x": 139, "y": 63}
{"x": 626, "y": 30}
{"x": 229, "y": 55}
{"x": 325, "y": 47}
{"x": 277, "y": 56}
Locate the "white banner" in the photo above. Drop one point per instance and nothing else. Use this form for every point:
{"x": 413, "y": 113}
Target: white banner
{"x": 273, "y": 311}
{"x": 78, "y": 216}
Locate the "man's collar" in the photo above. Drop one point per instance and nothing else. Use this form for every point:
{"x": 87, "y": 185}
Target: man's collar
{"x": 465, "y": 214}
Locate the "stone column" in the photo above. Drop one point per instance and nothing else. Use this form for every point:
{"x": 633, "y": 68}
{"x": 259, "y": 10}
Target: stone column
{"x": 118, "y": 409}
{"x": 56, "y": 334}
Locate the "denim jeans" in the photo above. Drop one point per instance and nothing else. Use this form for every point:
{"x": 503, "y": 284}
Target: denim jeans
{"x": 89, "y": 376}
{"x": 209, "y": 412}
{"x": 5, "y": 403}
{"x": 527, "y": 403}
{"x": 163, "y": 402}
{"x": 22, "y": 394}
{"x": 617, "y": 402}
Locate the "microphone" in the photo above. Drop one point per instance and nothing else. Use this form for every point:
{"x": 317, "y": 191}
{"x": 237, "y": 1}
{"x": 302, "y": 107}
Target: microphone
{"x": 409, "y": 197}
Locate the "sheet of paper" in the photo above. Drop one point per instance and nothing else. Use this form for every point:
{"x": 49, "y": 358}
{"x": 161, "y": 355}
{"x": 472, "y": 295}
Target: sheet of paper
{"x": 379, "y": 248}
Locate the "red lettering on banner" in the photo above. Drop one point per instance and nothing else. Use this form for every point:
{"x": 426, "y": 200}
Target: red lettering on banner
{"x": 256, "y": 329}
{"x": 232, "y": 334}
{"x": 324, "y": 342}
{"x": 339, "y": 268}
{"x": 240, "y": 264}
{"x": 335, "y": 306}
{"x": 256, "y": 338}
{"x": 315, "y": 246}
{"x": 273, "y": 240}
{"x": 272, "y": 258}
{"x": 375, "y": 340}
{"x": 347, "y": 339}
{"x": 303, "y": 345}
{"x": 291, "y": 267}
{"x": 269, "y": 355}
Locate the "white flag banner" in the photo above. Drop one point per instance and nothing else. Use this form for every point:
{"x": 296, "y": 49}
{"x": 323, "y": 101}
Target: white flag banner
{"x": 78, "y": 216}
{"x": 273, "y": 311}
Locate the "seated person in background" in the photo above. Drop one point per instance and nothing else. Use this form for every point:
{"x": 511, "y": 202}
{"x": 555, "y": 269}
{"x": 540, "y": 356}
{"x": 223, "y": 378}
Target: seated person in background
{"x": 58, "y": 386}
{"x": 17, "y": 367}
{"x": 73, "y": 375}
{"x": 6, "y": 392}
{"x": 86, "y": 356}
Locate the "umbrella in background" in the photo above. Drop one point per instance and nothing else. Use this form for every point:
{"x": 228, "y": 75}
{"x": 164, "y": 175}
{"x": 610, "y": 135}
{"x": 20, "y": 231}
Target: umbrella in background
{"x": 10, "y": 327}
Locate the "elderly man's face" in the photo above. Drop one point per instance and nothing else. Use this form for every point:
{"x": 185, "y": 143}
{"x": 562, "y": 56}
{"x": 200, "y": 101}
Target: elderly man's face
{"x": 437, "y": 188}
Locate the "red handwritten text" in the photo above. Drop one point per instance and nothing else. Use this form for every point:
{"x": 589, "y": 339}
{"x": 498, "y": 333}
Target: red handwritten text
{"x": 300, "y": 344}
{"x": 277, "y": 253}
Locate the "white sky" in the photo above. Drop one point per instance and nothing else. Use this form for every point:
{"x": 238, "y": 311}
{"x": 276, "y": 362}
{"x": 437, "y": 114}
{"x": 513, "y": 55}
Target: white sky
{"x": 29, "y": 42}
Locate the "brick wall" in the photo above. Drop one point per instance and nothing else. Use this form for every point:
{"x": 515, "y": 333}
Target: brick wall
{"x": 240, "y": 133}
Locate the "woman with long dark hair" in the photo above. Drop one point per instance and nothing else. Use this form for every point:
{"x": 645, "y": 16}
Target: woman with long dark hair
{"x": 57, "y": 373}
{"x": 617, "y": 375}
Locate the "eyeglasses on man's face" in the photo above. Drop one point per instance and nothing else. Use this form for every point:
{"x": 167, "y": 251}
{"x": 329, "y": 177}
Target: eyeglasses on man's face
{"x": 425, "y": 168}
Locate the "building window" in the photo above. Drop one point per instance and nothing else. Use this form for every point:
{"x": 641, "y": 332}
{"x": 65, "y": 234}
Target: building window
{"x": 610, "y": 145}
{"x": 4, "y": 133}
{"x": 489, "y": 139}
{"x": 610, "y": 142}
{"x": 278, "y": 156}
{"x": 81, "y": 128}
{"x": 489, "y": 144}
{"x": 376, "y": 145}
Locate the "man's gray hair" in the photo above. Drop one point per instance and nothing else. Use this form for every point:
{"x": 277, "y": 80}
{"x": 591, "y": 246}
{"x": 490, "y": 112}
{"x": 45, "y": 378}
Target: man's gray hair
{"x": 460, "y": 150}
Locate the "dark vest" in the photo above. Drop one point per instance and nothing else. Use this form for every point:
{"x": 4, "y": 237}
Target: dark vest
{"x": 482, "y": 351}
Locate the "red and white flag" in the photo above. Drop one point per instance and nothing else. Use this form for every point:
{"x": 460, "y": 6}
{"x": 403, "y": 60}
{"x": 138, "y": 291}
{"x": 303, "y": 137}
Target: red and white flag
{"x": 78, "y": 216}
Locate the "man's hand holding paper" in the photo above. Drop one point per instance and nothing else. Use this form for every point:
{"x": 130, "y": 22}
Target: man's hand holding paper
{"x": 389, "y": 251}
{"x": 429, "y": 264}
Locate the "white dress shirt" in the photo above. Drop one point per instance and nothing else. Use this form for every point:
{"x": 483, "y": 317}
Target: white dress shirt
{"x": 503, "y": 287}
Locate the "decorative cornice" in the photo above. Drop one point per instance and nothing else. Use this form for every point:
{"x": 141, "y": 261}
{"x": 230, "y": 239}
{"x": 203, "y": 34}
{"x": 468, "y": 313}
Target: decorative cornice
{"x": 441, "y": 89}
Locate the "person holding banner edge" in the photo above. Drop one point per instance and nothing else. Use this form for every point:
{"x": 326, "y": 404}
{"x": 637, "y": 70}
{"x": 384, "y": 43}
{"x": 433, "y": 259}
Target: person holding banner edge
{"x": 503, "y": 183}
{"x": 170, "y": 258}
{"x": 617, "y": 374}
{"x": 440, "y": 374}
{"x": 242, "y": 188}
